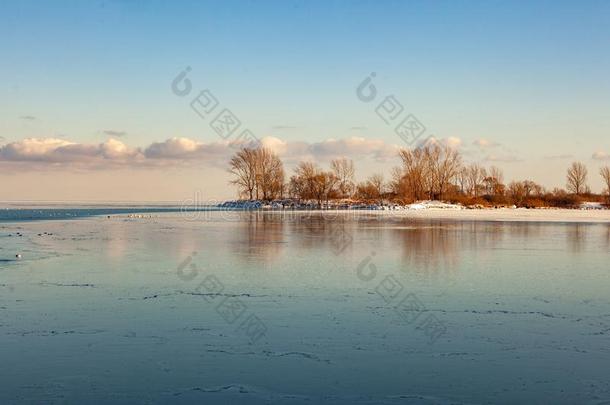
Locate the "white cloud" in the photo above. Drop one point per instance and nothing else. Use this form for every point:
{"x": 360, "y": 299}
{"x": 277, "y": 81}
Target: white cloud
{"x": 113, "y": 149}
{"x": 452, "y": 142}
{"x": 353, "y": 147}
{"x": 179, "y": 150}
{"x": 485, "y": 143}
{"x": 599, "y": 155}
{"x": 33, "y": 149}
{"x": 275, "y": 144}
{"x": 188, "y": 151}
{"x": 173, "y": 148}
{"x": 53, "y": 150}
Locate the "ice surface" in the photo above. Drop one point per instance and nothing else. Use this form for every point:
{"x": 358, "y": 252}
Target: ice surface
{"x": 116, "y": 309}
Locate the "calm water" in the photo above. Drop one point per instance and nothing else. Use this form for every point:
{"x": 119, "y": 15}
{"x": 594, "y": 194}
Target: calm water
{"x": 47, "y": 212}
{"x": 224, "y": 307}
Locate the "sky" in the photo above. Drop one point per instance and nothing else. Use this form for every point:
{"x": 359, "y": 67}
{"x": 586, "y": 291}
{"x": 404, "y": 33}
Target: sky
{"x": 88, "y": 111}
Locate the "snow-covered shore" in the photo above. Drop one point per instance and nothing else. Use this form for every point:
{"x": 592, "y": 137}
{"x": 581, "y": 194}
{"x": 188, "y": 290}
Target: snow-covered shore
{"x": 507, "y": 214}
{"x": 501, "y": 214}
{"x": 442, "y": 210}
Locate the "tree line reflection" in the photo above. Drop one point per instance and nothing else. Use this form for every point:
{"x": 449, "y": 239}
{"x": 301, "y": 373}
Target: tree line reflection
{"x": 422, "y": 244}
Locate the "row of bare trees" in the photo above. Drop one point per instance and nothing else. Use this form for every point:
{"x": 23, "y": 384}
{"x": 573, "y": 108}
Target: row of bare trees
{"x": 434, "y": 171}
{"x": 310, "y": 182}
{"x": 426, "y": 172}
{"x": 475, "y": 180}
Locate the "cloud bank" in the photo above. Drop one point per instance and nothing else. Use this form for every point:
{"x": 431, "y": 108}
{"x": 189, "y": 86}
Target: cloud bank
{"x": 36, "y": 152}
{"x": 58, "y": 151}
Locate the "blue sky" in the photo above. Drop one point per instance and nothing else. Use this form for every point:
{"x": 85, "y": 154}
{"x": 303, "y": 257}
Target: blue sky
{"x": 531, "y": 77}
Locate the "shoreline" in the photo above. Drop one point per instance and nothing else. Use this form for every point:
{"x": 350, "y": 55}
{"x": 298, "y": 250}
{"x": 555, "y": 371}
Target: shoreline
{"x": 557, "y": 215}
{"x": 553, "y": 215}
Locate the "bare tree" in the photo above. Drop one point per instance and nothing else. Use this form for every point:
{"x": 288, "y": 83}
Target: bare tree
{"x": 415, "y": 179}
{"x": 476, "y": 175}
{"x": 497, "y": 174}
{"x": 302, "y": 183}
{"x": 577, "y": 178}
{"x": 343, "y": 170}
{"x": 243, "y": 167}
{"x": 516, "y": 192}
{"x": 494, "y": 182}
{"x": 605, "y": 173}
{"x": 269, "y": 174}
{"x": 445, "y": 163}
{"x": 324, "y": 185}
{"x": 463, "y": 179}
{"x": 377, "y": 184}
{"x": 532, "y": 189}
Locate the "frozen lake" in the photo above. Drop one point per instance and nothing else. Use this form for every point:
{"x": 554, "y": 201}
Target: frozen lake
{"x": 228, "y": 307}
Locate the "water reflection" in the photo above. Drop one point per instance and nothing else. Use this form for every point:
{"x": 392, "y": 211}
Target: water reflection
{"x": 259, "y": 237}
{"x": 424, "y": 245}
{"x": 428, "y": 247}
{"x": 576, "y": 237}
{"x": 413, "y": 245}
